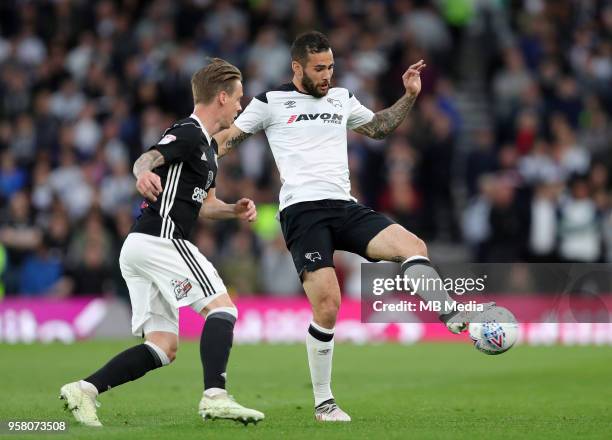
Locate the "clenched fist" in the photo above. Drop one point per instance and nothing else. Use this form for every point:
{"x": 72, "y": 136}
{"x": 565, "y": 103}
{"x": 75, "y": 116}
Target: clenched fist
{"x": 149, "y": 185}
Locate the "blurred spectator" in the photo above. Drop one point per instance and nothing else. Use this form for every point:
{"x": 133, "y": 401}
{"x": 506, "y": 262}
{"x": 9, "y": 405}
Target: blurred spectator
{"x": 23, "y": 139}
{"x": 117, "y": 189}
{"x": 68, "y": 101}
{"x": 481, "y": 160}
{"x": 41, "y": 272}
{"x": 579, "y": 224}
{"x": 510, "y": 83}
{"x": 92, "y": 232}
{"x": 507, "y": 231}
{"x": 269, "y": 50}
{"x": 238, "y": 265}
{"x": 69, "y": 183}
{"x": 12, "y": 177}
{"x": 544, "y": 223}
{"x": 278, "y": 276}
{"x": 18, "y": 235}
{"x": 92, "y": 274}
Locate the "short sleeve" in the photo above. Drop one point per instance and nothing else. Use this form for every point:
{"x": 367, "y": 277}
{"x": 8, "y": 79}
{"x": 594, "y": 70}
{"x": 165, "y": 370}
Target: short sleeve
{"x": 359, "y": 114}
{"x": 255, "y": 116}
{"x": 178, "y": 142}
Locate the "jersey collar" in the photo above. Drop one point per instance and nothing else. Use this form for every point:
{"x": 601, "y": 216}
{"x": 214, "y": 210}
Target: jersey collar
{"x": 208, "y": 137}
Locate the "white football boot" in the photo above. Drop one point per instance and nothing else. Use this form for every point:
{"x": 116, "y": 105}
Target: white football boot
{"x": 328, "y": 411}
{"x": 457, "y": 322}
{"x": 223, "y": 406}
{"x": 81, "y": 403}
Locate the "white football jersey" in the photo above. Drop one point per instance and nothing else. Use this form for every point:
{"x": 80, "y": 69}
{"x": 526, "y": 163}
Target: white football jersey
{"x": 308, "y": 139}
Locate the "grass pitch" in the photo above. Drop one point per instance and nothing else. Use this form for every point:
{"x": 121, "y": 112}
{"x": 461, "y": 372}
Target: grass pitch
{"x": 425, "y": 391}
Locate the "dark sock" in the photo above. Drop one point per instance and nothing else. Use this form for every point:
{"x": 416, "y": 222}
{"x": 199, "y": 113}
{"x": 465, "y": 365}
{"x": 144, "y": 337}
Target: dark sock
{"x": 422, "y": 268}
{"x": 215, "y": 346}
{"x": 129, "y": 365}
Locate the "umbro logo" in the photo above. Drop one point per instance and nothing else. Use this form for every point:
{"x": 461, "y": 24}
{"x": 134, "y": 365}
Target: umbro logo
{"x": 335, "y": 102}
{"x": 289, "y": 104}
{"x": 313, "y": 256}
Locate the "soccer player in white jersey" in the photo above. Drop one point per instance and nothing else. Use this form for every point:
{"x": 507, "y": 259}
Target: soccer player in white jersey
{"x": 305, "y": 122}
{"x": 163, "y": 269}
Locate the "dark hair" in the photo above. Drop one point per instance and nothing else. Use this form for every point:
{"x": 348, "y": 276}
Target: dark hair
{"x": 207, "y": 82}
{"x": 307, "y": 43}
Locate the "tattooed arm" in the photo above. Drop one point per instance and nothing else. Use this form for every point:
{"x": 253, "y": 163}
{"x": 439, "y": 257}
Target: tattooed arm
{"x": 148, "y": 183}
{"x": 387, "y": 120}
{"x": 147, "y": 162}
{"x": 230, "y": 138}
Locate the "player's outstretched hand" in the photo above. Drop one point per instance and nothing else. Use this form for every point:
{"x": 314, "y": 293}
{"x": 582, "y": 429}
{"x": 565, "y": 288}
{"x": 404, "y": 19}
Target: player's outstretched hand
{"x": 412, "y": 78}
{"x": 245, "y": 210}
{"x": 149, "y": 185}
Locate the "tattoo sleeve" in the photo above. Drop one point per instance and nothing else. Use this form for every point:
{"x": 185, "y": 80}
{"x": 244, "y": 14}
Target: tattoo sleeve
{"x": 147, "y": 162}
{"x": 387, "y": 120}
{"x": 235, "y": 140}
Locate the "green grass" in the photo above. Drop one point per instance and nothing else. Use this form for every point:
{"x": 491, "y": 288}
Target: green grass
{"x": 426, "y": 391}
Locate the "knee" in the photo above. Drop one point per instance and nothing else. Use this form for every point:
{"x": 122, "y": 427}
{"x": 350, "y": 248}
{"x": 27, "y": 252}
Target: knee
{"x": 326, "y": 311}
{"x": 171, "y": 352}
{"x": 223, "y": 302}
{"x": 164, "y": 349}
{"x": 414, "y": 246}
{"x": 420, "y": 248}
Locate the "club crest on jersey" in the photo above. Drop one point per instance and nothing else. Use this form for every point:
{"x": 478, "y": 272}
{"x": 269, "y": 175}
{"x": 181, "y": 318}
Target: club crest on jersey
{"x": 313, "y": 256}
{"x": 326, "y": 118}
{"x": 335, "y": 102}
{"x": 289, "y": 104}
{"x": 209, "y": 180}
{"x": 181, "y": 288}
{"x": 167, "y": 139}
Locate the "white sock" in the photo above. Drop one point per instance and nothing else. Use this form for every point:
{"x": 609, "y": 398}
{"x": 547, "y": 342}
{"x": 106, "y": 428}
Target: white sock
{"x": 89, "y": 388}
{"x": 320, "y": 348}
{"x": 212, "y": 392}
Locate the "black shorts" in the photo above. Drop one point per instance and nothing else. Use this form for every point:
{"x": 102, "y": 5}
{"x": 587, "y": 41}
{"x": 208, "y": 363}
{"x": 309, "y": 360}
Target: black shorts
{"x": 314, "y": 230}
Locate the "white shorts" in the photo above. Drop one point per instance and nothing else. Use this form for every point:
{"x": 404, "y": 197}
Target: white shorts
{"x": 162, "y": 275}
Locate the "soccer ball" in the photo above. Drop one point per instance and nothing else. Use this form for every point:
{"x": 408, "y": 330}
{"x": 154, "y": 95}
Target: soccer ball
{"x": 494, "y": 331}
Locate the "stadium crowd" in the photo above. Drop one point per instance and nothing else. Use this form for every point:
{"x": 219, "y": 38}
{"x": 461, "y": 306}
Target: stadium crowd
{"x": 87, "y": 86}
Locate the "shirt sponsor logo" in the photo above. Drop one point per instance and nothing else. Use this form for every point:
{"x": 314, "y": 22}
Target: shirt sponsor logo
{"x": 199, "y": 195}
{"x": 326, "y": 118}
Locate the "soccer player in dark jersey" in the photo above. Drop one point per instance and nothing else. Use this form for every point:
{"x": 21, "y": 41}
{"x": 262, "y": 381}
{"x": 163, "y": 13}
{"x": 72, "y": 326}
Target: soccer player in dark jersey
{"x": 306, "y": 124}
{"x": 161, "y": 266}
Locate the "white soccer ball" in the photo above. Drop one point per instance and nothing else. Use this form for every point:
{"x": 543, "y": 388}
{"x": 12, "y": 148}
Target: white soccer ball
{"x": 494, "y": 331}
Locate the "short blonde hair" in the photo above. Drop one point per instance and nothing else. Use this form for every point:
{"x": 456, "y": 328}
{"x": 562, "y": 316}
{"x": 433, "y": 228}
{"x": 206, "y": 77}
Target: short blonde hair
{"x": 217, "y": 76}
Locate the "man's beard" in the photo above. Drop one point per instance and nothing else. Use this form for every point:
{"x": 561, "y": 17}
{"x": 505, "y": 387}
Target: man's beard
{"x": 311, "y": 88}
